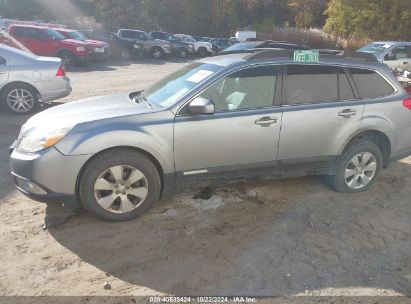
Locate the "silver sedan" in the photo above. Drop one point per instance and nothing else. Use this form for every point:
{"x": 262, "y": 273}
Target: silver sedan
{"x": 26, "y": 80}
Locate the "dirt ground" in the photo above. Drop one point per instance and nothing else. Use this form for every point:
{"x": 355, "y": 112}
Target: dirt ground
{"x": 277, "y": 238}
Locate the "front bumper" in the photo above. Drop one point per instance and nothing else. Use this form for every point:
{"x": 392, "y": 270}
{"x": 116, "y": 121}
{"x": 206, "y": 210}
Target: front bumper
{"x": 47, "y": 176}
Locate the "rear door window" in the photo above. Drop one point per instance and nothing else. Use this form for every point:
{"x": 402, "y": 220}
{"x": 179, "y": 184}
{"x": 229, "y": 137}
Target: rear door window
{"x": 311, "y": 84}
{"x": 370, "y": 84}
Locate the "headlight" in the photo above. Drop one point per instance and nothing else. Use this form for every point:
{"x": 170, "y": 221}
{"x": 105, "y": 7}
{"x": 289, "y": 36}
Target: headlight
{"x": 191, "y": 46}
{"x": 80, "y": 49}
{"x": 40, "y": 139}
{"x": 136, "y": 46}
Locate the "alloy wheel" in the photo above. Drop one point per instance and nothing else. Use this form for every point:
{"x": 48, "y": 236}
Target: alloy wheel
{"x": 360, "y": 170}
{"x": 121, "y": 189}
{"x": 20, "y": 100}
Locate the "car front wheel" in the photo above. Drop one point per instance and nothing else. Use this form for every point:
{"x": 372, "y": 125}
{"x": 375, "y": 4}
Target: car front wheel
{"x": 119, "y": 185}
{"x": 359, "y": 167}
{"x": 157, "y": 53}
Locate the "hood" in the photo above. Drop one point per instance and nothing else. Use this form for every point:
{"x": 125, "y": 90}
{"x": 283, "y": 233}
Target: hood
{"x": 96, "y": 43}
{"x": 162, "y": 42}
{"x": 86, "y": 110}
{"x": 75, "y": 42}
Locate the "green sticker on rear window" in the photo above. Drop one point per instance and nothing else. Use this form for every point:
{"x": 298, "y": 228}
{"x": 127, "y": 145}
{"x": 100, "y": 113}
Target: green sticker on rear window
{"x": 306, "y": 56}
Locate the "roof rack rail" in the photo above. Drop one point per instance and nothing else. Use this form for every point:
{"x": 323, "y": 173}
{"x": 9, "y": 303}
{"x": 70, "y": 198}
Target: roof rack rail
{"x": 324, "y": 54}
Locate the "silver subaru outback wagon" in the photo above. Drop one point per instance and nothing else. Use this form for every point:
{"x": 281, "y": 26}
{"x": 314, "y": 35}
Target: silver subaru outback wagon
{"x": 230, "y": 117}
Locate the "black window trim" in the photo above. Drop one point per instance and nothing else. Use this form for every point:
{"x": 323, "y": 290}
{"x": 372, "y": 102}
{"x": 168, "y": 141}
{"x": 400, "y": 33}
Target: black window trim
{"x": 395, "y": 89}
{"x": 337, "y": 66}
{"x": 277, "y": 92}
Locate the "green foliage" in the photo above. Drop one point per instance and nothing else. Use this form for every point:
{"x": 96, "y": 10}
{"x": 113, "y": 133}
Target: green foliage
{"x": 373, "y": 19}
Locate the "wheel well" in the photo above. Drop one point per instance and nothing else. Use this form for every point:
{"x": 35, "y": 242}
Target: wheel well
{"x": 144, "y": 152}
{"x": 380, "y": 139}
{"x": 19, "y": 83}
{"x": 65, "y": 51}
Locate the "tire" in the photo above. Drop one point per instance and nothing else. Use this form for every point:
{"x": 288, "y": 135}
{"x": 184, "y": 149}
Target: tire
{"x": 19, "y": 98}
{"x": 349, "y": 176}
{"x": 125, "y": 54}
{"x": 183, "y": 53}
{"x": 202, "y": 52}
{"x": 157, "y": 52}
{"x": 114, "y": 204}
{"x": 68, "y": 58}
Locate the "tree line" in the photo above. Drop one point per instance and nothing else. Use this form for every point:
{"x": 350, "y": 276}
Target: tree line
{"x": 372, "y": 19}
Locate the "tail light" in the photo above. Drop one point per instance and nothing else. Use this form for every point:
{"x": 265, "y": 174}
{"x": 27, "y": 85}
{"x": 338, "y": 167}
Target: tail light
{"x": 407, "y": 103}
{"x": 61, "y": 72}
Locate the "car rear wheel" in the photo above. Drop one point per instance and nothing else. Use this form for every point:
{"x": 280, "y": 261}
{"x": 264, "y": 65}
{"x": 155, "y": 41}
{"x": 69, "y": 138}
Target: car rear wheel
{"x": 157, "y": 52}
{"x": 359, "y": 167}
{"x": 183, "y": 53}
{"x": 119, "y": 185}
{"x": 19, "y": 99}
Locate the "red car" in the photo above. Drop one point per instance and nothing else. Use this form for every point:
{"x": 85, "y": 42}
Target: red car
{"x": 98, "y": 50}
{"x": 45, "y": 41}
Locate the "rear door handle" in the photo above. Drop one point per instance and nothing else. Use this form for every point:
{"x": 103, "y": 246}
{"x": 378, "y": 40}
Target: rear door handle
{"x": 266, "y": 121}
{"x": 347, "y": 113}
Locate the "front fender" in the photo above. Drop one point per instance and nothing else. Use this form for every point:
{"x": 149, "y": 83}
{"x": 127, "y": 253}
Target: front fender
{"x": 92, "y": 138}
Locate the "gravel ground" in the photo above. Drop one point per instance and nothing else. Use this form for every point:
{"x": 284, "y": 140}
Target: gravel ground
{"x": 275, "y": 238}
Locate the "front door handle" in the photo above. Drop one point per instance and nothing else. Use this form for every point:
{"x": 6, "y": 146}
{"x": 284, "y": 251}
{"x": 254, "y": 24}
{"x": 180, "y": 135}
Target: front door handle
{"x": 347, "y": 113}
{"x": 266, "y": 121}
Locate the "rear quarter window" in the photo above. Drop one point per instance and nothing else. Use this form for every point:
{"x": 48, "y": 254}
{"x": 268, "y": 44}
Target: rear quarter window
{"x": 370, "y": 84}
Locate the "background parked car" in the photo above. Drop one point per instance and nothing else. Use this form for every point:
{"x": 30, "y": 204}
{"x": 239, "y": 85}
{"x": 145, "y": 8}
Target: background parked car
{"x": 98, "y": 50}
{"x": 45, "y": 41}
{"x": 244, "y": 46}
{"x": 396, "y": 54}
{"x": 220, "y": 44}
{"x": 26, "y": 80}
{"x": 180, "y": 48}
{"x": 202, "y": 48}
{"x": 155, "y": 47}
{"x": 119, "y": 47}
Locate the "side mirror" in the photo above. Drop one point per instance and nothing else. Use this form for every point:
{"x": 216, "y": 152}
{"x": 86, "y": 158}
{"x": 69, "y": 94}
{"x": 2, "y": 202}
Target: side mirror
{"x": 202, "y": 106}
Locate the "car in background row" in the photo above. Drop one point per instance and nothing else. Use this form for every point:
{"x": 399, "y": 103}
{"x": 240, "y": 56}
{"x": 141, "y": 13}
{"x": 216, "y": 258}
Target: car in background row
{"x": 45, "y": 41}
{"x": 98, "y": 50}
{"x": 395, "y": 54}
{"x": 179, "y": 48}
{"x": 119, "y": 47}
{"x": 220, "y": 44}
{"x": 246, "y": 46}
{"x": 154, "y": 47}
{"x": 202, "y": 48}
{"x": 26, "y": 80}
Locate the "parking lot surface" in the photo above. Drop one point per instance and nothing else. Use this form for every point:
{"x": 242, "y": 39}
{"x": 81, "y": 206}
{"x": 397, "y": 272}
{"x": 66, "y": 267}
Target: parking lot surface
{"x": 273, "y": 238}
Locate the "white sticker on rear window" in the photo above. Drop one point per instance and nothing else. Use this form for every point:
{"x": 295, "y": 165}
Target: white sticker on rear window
{"x": 199, "y": 76}
{"x": 387, "y": 46}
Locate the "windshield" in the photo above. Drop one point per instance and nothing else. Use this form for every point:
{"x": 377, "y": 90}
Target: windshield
{"x": 170, "y": 89}
{"x": 374, "y": 48}
{"x": 77, "y": 36}
{"x": 54, "y": 34}
{"x": 242, "y": 46}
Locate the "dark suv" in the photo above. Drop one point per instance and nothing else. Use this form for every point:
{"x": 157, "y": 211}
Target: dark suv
{"x": 255, "y": 115}
{"x": 180, "y": 48}
{"x": 119, "y": 47}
